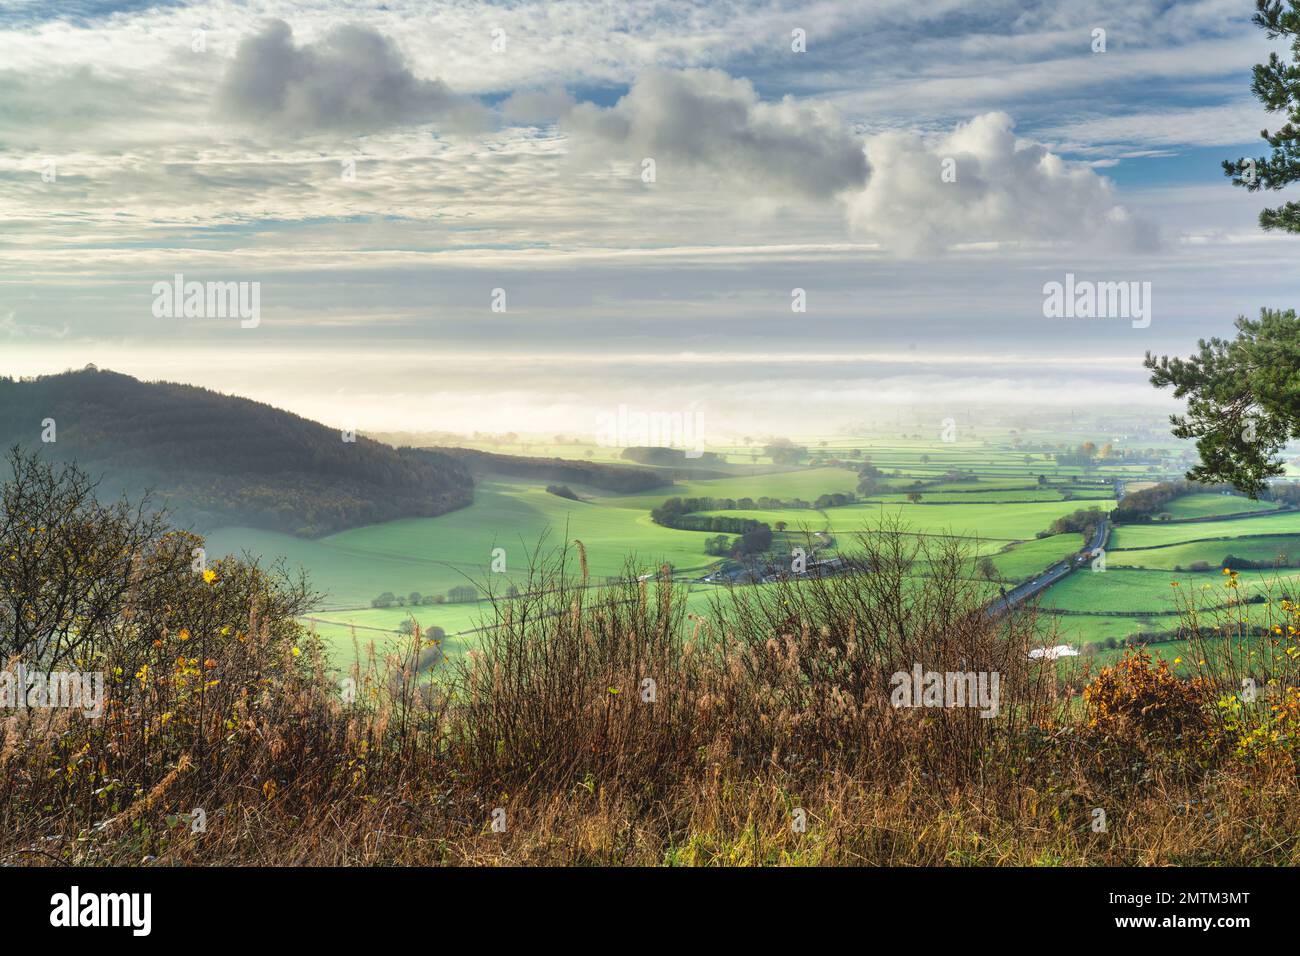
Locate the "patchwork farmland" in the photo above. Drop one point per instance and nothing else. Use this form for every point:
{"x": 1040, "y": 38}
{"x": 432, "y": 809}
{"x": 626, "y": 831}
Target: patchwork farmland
{"x": 1000, "y": 501}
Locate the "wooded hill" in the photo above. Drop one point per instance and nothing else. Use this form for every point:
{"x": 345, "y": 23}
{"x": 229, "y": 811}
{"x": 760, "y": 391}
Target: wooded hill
{"x": 214, "y": 459}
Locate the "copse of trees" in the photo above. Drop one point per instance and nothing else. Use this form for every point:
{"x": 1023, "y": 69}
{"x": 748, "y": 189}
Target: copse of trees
{"x": 783, "y": 451}
{"x": 835, "y": 500}
{"x": 719, "y": 546}
{"x": 679, "y": 513}
{"x": 1141, "y": 506}
{"x": 563, "y": 491}
{"x": 754, "y": 541}
{"x": 1234, "y": 563}
{"x": 1084, "y": 456}
{"x": 870, "y": 479}
{"x": 1085, "y": 521}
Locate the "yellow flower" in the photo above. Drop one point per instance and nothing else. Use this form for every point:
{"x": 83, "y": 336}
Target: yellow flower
{"x": 209, "y": 576}
{"x": 296, "y": 651}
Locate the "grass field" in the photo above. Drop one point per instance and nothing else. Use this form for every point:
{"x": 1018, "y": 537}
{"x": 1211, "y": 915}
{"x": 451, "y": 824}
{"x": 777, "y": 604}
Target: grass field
{"x": 1202, "y": 506}
{"x": 434, "y": 555}
{"x": 998, "y": 515}
{"x": 1268, "y": 548}
{"x": 1028, "y": 558}
{"x": 807, "y": 484}
{"x": 993, "y": 521}
{"x": 976, "y": 497}
{"x": 1119, "y": 603}
{"x": 1158, "y": 533}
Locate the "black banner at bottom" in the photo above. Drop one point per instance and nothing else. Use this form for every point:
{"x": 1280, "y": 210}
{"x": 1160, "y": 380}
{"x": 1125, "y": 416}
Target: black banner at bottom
{"x": 343, "y": 906}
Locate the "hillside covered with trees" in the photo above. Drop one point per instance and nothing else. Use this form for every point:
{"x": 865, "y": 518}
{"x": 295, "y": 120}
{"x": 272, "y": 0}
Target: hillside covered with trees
{"x": 214, "y": 459}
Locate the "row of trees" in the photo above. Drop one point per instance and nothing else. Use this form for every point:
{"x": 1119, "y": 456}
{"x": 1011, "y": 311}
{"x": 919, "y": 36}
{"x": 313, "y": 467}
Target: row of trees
{"x": 458, "y": 595}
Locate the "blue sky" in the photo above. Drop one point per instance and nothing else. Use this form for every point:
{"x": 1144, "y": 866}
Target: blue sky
{"x": 502, "y": 146}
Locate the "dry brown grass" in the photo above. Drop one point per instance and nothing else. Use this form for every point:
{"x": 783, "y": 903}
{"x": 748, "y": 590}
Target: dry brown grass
{"x": 773, "y": 706}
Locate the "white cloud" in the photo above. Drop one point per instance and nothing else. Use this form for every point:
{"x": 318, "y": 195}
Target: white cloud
{"x": 1005, "y": 189}
{"x": 1229, "y": 124}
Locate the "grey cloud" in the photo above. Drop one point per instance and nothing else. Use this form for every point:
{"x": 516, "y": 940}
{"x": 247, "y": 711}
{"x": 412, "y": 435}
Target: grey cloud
{"x": 354, "y": 79}
{"x": 708, "y": 120}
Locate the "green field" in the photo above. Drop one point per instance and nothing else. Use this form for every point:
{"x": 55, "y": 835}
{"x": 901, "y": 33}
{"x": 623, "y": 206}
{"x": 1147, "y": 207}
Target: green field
{"x": 976, "y": 497}
{"x": 1269, "y": 548}
{"x": 1024, "y": 560}
{"x": 1118, "y": 603}
{"x": 807, "y": 484}
{"x": 1202, "y": 506}
{"x": 1161, "y": 533}
{"x": 997, "y": 515}
{"x": 992, "y": 521}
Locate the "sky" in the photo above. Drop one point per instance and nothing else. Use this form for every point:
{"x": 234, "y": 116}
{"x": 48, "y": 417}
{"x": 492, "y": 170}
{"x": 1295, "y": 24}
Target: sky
{"x": 517, "y": 217}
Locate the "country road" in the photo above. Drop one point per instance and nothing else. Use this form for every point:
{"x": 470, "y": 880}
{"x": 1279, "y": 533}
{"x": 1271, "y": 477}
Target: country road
{"x": 1021, "y": 593}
